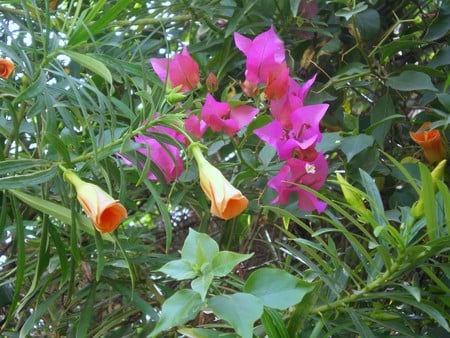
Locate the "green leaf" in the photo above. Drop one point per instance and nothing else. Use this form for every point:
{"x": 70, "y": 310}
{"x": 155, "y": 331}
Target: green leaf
{"x": 90, "y": 63}
{"x": 277, "y": 288}
{"x": 199, "y": 248}
{"x": 224, "y": 262}
{"x": 410, "y": 80}
{"x": 201, "y": 284}
{"x": 353, "y": 145}
{"x": 294, "y": 7}
{"x": 381, "y": 118}
{"x": 181, "y": 307}
{"x": 368, "y": 24}
{"x": 274, "y": 324}
{"x": 27, "y": 180}
{"x": 179, "y": 269}
{"x": 347, "y": 12}
{"x": 87, "y": 312}
{"x": 9, "y": 167}
{"x": 33, "y": 90}
{"x": 241, "y": 310}
{"x": 427, "y": 195}
{"x": 82, "y": 34}
{"x": 376, "y": 204}
{"x": 205, "y": 333}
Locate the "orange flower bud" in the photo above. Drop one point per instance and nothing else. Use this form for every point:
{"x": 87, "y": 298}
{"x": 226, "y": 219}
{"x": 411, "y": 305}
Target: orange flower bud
{"x": 6, "y": 68}
{"x": 212, "y": 83}
{"x": 226, "y": 201}
{"x": 105, "y": 212}
{"x": 431, "y": 141}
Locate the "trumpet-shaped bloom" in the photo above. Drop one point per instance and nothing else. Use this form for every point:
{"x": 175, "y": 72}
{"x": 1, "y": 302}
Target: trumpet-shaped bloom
{"x": 181, "y": 70}
{"x": 433, "y": 145}
{"x": 300, "y": 140}
{"x": 6, "y": 68}
{"x": 220, "y": 116}
{"x": 297, "y": 172}
{"x": 293, "y": 99}
{"x": 105, "y": 212}
{"x": 165, "y": 156}
{"x": 226, "y": 201}
{"x": 263, "y": 53}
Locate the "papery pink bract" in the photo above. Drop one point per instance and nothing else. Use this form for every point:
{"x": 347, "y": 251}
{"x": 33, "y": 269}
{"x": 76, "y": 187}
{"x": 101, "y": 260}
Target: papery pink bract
{"x": 165, "y": 156}
{"x": 297, "y": 172}
{"x": 181, "y": 70}
{"x": 277, "y": 82}
{"x": 294, "y": 97}
{"x": 219, "y": 116}
{"x": 195, "y": 126}
{"x": 263, "y": 53}
{"x": 303, "y": 135}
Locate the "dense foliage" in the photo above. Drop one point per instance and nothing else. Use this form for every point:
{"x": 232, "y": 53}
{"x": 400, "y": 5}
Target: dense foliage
{"x": 282, "y": 164}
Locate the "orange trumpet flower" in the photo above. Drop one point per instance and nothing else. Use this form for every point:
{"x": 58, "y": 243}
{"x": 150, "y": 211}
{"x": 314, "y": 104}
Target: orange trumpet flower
{"x": 226, "y": 201}
{"x": 433, "y": 145}
{"x": 105, "y": 212}
{"x": 6, "y": 68}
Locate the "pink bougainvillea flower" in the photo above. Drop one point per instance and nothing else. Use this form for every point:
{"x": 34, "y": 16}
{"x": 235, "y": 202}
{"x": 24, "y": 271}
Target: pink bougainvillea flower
{"x": 195, "y": 126}
{"x": 105, "y": 212}
{"x": 305, "y": 132}
{"x": 433, "y": 145}
{"x": 181, "y": 70}
{"x": 165, "y": 156}
{"x": 220, "y": 116}
{"x": 297, "y": 172}
{"x": 263, "y": 53}
{"x": 277, "y": 82}
{"x": 294, "y": 98}
{"x": 226, "y": 201}
{"x": 6, "y": 68}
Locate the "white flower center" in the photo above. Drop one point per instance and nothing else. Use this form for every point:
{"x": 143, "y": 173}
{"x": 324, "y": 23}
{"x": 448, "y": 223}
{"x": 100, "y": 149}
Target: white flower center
{"x": 310, "y": 168}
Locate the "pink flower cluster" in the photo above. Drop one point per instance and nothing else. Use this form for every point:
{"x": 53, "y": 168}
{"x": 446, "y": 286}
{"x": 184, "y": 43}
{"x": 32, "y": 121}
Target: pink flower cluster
{"x": 294, "y": 131}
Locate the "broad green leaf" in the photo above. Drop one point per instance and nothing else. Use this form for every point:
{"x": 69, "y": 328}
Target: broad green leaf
{"x": 181, "y": 307}
{"x": 90, "y": 63}
{"x": 277, "y": 288}
{"x": 241, "y": 310}
{"x": 353, "y": 145}
{"x": 381, "y": 113}
{"x": 179, "y": 269}
{"x": 410, "y": 80}
{"x": 191, "y": 252}
{"x": 27, "y": 180}
{"x": 224, "y": 262}
{"x": 368, "y": 24}
{"x": 347, "y": 12}
{"x": 201, "y": 284}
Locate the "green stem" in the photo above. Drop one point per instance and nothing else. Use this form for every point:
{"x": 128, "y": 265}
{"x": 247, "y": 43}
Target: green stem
{"x": 375, "y": 284}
